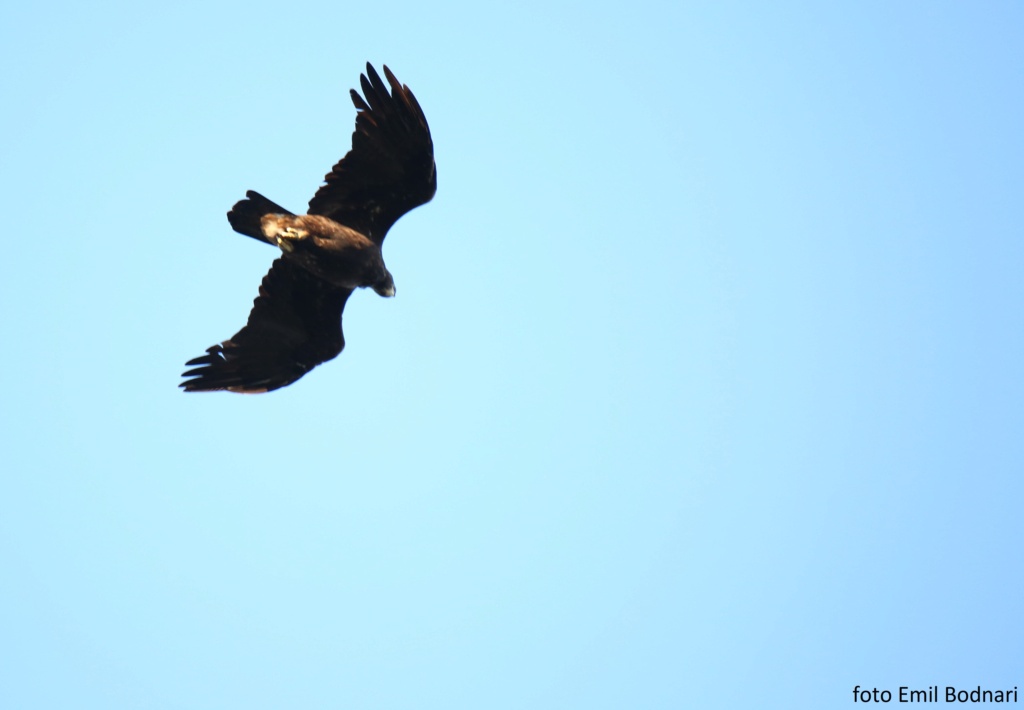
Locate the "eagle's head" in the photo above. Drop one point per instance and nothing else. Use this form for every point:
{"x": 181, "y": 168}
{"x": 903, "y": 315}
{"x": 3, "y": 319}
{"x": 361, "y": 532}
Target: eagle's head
{"x": 385, "y": 286}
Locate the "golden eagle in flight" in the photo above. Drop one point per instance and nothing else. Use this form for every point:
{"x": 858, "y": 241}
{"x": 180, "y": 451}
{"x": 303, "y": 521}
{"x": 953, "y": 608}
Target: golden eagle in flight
{"x": 295, "y": 322}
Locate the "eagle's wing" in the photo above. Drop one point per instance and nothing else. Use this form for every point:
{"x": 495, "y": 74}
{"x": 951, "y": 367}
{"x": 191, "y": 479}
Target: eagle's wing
{"x": 390, "y": 169}
{"x": 295, "y": 325}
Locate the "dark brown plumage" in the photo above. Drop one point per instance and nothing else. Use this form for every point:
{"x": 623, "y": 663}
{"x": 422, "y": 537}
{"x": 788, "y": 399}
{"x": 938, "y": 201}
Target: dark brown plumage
{"x": 295, "y": 322}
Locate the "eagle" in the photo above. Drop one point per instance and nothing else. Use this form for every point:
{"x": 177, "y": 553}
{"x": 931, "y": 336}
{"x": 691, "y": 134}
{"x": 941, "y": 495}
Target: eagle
{"x": 326, "y": 254}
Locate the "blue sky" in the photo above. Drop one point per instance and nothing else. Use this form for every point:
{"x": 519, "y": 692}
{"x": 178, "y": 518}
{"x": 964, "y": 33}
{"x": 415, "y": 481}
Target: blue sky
{"x": 703, "y": 385}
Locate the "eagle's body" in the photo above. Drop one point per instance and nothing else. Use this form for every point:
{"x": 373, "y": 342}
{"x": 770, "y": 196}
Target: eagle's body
{"x": 295, "y": 323}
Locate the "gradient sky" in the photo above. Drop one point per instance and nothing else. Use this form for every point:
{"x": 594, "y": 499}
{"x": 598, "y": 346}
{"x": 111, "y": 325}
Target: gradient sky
{"x": 703, "y": 387}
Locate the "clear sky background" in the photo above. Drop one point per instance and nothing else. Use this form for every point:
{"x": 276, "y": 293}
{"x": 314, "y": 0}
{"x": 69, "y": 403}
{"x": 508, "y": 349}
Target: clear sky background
{"x": 703, "y": 387}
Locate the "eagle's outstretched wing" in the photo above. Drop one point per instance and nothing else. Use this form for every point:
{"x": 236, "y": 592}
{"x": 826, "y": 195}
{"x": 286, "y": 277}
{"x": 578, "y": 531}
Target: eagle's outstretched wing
{"x": 390, "y": 169}
{"x": 294, "y": 325}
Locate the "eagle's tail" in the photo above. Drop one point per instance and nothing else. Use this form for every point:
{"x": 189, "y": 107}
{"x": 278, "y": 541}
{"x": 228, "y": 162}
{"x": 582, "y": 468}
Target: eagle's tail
{"x": 246, "y": 214}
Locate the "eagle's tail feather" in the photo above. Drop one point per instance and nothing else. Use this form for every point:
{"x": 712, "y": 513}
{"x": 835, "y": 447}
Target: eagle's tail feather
{"x": 246, "y": 214}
